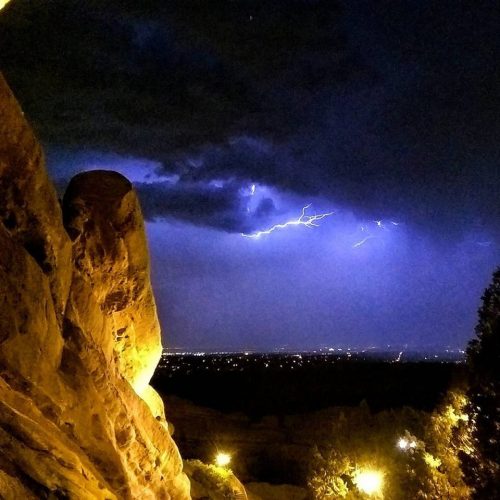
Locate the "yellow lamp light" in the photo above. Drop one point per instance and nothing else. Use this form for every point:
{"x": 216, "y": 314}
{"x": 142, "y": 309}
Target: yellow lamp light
{"x": 369, "y": 481}
{"x": 406, "y": 444}
{"x": 222, "y": 459}
{"x": 403, "y": 443}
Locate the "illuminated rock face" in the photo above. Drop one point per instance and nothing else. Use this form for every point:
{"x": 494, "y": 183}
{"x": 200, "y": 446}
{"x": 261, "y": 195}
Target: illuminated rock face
{"x": 103, "y": 217}
{"x": 28, "y": 203}
{"x": 71, "y": 421}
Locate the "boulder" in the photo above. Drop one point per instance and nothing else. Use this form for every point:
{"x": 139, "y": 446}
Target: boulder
{"x": 103, "y": 218}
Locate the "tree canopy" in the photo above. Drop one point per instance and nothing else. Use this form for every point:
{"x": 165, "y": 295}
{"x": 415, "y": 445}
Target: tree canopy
{"x": 481, "y": 463}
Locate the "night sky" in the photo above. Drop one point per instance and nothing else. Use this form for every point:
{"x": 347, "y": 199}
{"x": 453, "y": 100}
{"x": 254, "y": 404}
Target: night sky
{"x": 231, "y": 116}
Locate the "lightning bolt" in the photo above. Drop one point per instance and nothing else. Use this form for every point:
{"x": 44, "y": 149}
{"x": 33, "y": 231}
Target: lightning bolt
{"x": 363, "y": 241}
{"x": 379, "y": 224}
{"x": 303, "y": 220}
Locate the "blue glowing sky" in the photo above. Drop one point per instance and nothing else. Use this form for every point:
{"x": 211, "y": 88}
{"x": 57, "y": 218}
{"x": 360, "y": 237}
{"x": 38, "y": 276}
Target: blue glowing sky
{"x": 352, "y": 281}
{"x": 232, "y": 117}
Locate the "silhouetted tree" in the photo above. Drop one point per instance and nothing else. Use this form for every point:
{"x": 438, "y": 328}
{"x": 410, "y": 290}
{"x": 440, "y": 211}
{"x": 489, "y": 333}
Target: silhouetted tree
{"x": 481, "y": 462}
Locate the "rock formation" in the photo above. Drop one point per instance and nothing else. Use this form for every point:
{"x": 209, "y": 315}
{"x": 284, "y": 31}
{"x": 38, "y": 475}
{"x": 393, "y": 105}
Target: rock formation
{"x": 79, "y": 337}
{"x": 3, "y": 3}
{"x": 29, "y": 209}
{"x": 104, "y": 220}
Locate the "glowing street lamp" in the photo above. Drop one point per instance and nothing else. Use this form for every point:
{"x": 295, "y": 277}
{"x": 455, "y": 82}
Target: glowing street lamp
{"x": 403, "y": 444}
{"x": 369, "y": 481}
{"x": 406, "y": 444}
{"x": 222, "y": 459}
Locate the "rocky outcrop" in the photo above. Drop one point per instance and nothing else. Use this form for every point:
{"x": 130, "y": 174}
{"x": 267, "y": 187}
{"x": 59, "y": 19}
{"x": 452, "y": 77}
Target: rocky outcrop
{"x": 29, "y": 209}
{"x": 79, "y": 338}
{"x": 103, "y": 218}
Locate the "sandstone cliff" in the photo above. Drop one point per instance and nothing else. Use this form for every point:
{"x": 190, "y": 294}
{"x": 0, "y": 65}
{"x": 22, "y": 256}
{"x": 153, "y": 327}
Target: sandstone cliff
{"x": 79, "y": 337}
{"x": 103, "y": 218}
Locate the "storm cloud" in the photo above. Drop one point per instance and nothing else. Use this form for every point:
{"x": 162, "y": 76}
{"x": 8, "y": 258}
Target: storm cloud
{"x": 230, "y": 116}
{"x": 380, "y": 106}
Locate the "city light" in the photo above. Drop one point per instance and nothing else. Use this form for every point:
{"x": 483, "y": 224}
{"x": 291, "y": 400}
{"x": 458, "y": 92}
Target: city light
{"x": 222, "y": 459}
{"x": 369, "y": 481}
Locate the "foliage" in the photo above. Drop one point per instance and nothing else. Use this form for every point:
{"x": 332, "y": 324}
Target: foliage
{"x": 212, "y": 482}
{"x": 332, "y": 472}
{"x": 446, "y": 436}
{"x": 481, "y": 461}
{"x": 429, "y": 468}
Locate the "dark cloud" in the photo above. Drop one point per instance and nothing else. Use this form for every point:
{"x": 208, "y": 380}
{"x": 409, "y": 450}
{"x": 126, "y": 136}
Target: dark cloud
{"x": 244, "y": 157}
{"x": 155, "y": 78}
{"x": 199, "y": 204}
{"x": 265, "y": 208}
{"x": 224, "y": 207}
{"x": 385, "y": 107}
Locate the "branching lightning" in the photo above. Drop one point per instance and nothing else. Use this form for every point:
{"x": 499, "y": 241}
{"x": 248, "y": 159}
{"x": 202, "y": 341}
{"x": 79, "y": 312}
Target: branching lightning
{"x": 379, "y": 224}
{"x": 304, "y": 220}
